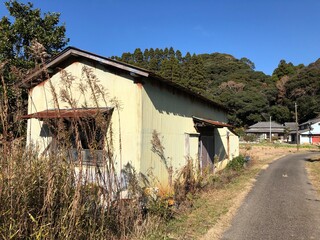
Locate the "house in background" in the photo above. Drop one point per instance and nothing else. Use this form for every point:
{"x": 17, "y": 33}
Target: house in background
{"x": 290, "y": 131}
{"x": 188, "y": 124}
{"x": 310, "y": 131}
{"x": 262, "y": 130}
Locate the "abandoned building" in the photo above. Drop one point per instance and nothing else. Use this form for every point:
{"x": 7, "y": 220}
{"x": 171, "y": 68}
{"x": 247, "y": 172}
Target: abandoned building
{"x": 138, "y": 104}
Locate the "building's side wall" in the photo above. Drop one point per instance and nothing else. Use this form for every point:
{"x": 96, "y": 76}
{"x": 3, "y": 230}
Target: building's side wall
{"x": 126, "y": 123}
{"x": 230, "y": 144}
{"x": 307, "y": 137}
{"x": 170, "y": 114}
{"x": 315, "y": 128}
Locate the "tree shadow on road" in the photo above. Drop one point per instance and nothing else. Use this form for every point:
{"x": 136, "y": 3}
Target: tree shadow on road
{"x": 312, "y": 159}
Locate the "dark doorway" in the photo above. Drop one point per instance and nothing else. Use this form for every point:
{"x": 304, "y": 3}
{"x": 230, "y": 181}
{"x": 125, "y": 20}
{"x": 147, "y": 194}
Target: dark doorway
{"x": 206, "y": 153}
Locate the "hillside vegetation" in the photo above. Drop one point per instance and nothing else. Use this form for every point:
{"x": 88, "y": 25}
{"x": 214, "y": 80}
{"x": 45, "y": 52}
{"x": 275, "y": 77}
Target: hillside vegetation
{"x": 250, "y": 95}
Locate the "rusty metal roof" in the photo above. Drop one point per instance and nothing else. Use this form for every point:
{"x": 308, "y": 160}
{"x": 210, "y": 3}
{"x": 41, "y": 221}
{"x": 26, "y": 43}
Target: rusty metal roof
{"x": 209, "y": 122}
{"x": 67, "y": 113}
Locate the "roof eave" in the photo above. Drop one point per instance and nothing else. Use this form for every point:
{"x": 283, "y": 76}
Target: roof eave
{"x": 72, "y": 51}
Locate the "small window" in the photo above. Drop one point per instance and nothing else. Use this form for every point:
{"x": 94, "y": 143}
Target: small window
{"x": 90, "y": 137}
{"x": 89, "y": 157}
{"x": 90, "y": 134}
{"x": 83, "y": 137}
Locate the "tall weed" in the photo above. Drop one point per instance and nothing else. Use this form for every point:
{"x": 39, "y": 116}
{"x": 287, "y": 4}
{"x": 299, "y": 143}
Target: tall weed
{"x": 54, "y": 195}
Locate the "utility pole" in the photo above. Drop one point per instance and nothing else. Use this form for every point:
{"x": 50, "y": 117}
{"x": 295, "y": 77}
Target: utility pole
{"x": 270, "y": 133}
{"x": 297, "y": 125}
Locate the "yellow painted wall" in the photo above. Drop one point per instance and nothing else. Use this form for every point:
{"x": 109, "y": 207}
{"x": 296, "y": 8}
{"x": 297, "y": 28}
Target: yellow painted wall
{"x": 126, "y": 123}
{"x": 170, "y": 114}
{"x": 224, "y": 155}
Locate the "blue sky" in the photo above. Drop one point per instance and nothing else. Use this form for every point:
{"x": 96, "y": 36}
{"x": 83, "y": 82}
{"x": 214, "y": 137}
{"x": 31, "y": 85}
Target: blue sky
{"x": 263, "y": 31}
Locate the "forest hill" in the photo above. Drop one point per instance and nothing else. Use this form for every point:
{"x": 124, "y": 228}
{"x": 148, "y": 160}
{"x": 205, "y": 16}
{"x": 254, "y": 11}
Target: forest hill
{"x": 250, "y": 95}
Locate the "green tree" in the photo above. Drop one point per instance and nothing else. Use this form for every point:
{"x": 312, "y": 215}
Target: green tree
{"x": 308, "y": 107}
{"x": 165, "y": 54}
{"x": 126, "y": 57}
{"x": 280, "y": 114}
{"x": 138, "y": 57}
{"x": 171, "y": 53}
{"x": 283, "y": 69}
{"x": 248, "y": 62}
{"x": 17, "y": 34}
{"x": 196, "y": 75}
{"x": 146, "y": 58}
{"x": 179, "y": 56}
{"x": 186, "y": 62}
{"x": 170, "y": 69}
{"x": 28, "y": 25}
{"x": 221, "y": 77}
{"x": 304, "y": 89}
{"x": 155, "y": 61}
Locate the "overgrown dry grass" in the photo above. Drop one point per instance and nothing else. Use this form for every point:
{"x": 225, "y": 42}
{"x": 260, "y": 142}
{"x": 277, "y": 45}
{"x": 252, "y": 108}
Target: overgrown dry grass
{"x": 52, "y": 194}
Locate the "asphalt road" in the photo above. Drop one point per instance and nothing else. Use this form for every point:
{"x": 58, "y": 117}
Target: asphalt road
{"x": 282, "y": 205}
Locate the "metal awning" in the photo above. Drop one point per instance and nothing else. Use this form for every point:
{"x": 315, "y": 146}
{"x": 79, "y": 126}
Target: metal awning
{"x": 201, "y": 122}
{"x": 67, "y": 113}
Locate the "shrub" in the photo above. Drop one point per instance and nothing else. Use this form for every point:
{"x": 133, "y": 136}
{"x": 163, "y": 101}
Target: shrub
{"x": 249, "y": 137}
{"x": 237, "y": 164}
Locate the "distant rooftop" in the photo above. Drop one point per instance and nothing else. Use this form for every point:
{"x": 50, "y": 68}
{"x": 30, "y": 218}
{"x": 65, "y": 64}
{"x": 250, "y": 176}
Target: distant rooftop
{"x": 266, "y": 125}
{"x": 311, "y": 121}
{"x": 262, "y": 127}
{"x": 291, "y": 125}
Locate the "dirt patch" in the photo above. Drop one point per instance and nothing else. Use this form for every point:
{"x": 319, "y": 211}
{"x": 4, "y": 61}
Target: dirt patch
{"x": 266, "y": 154}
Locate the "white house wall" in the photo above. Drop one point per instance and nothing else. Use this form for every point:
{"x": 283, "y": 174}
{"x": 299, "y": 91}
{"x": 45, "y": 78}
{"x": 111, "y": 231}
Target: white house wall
{"x": 306, "y": 137}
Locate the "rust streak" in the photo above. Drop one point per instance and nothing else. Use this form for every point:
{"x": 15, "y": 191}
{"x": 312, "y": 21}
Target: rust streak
{"x": 139, "y": 85}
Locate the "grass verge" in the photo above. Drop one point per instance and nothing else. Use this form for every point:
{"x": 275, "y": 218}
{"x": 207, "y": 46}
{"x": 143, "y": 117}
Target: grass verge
{"x": 313, "y": 169}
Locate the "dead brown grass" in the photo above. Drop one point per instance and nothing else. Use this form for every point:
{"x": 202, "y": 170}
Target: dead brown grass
{"x": 60, "y": 194}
